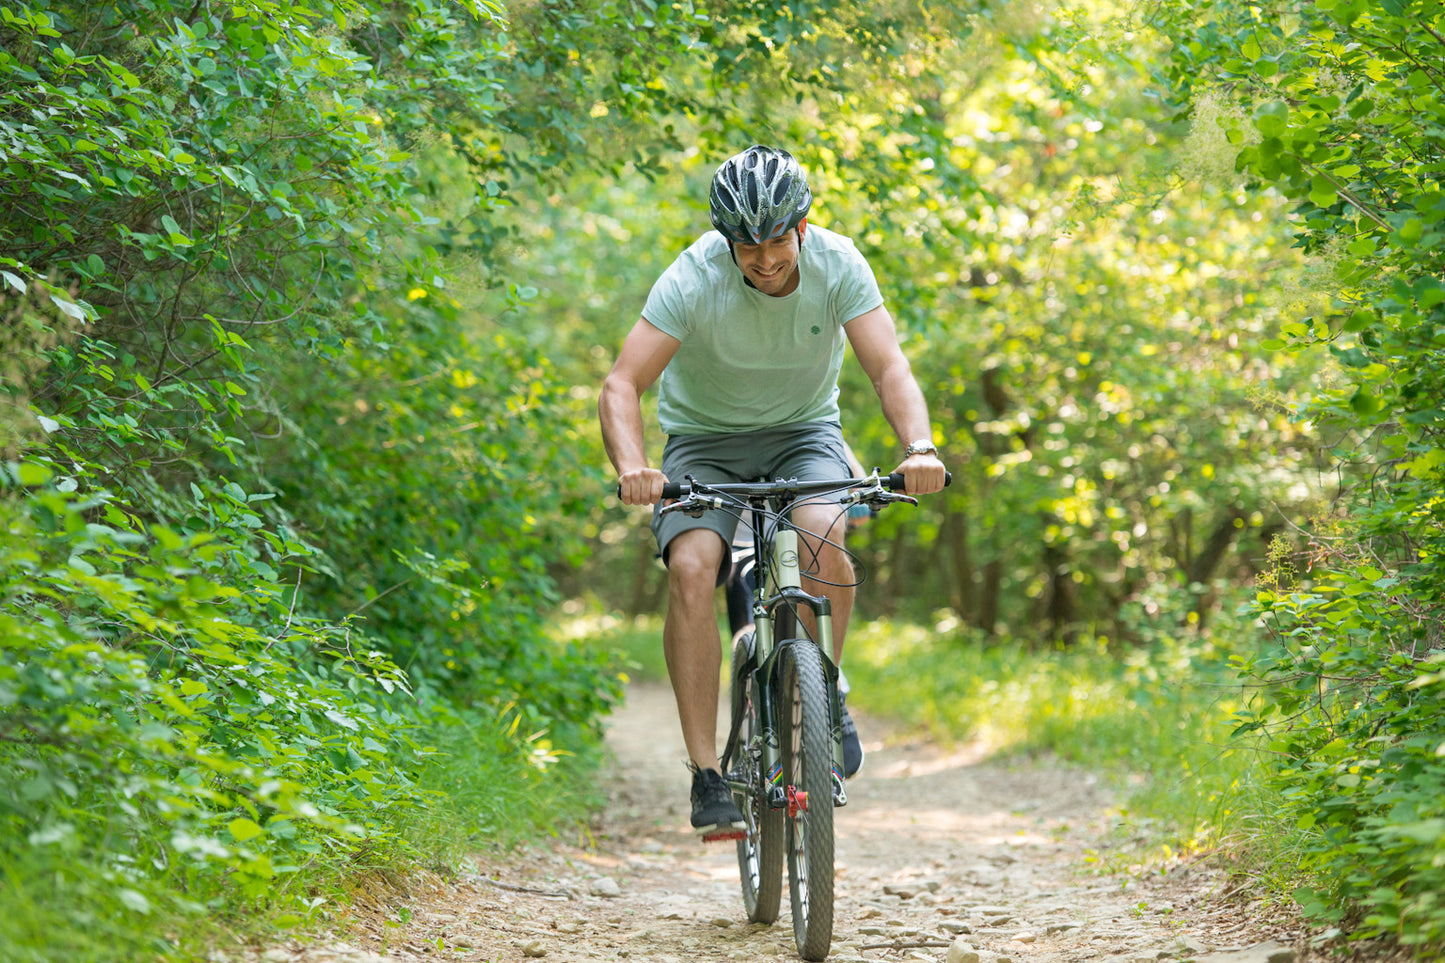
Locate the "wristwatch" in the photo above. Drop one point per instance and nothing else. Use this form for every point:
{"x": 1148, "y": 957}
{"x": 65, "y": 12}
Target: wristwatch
{"x": 922, "y": 446}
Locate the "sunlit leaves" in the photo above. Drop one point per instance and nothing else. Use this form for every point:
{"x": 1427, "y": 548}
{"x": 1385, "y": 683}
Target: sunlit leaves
{"x": 1351, "y": 126}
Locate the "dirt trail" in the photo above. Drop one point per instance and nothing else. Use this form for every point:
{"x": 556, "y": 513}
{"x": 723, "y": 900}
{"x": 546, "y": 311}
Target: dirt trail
{"x": 939, "y": 856}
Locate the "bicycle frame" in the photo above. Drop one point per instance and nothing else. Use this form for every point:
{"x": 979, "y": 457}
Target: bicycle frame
{"x": 778, "y": 593}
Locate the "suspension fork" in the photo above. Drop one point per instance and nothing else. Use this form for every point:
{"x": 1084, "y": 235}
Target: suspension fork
{"x": 783, "y": 569}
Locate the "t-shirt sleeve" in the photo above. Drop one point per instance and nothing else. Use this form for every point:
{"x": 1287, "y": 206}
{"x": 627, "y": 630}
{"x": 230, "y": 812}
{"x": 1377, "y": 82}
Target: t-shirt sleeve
{"x": 666, "y": 308}
{"x": 857, "y": 289}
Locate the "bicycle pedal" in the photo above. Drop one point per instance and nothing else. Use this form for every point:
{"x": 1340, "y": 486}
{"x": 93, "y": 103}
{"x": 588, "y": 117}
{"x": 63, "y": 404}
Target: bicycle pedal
{"x": 725, "y": 836}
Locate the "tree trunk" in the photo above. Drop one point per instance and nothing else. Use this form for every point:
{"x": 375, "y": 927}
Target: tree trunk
{"x": 964, "y": 597}
{"x": 645, "y": 595}
{"x": 1061, "y": 610}
{"x": 988, "y": 598}
{"x": 1203, "y": 566}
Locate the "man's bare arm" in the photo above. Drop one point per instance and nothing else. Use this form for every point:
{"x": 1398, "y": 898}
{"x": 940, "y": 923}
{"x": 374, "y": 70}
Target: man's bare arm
{"x": 645, "y": 352}
{"x": 875, "y": 343}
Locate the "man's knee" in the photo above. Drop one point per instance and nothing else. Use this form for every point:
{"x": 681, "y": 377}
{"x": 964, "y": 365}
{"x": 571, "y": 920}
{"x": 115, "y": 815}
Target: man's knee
{"x": 694, "y": 560}
{"x": 823, "y": 531}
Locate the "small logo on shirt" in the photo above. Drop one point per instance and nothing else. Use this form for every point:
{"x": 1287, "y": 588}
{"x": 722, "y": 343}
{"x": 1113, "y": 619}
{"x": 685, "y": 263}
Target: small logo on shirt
{"x": 817, "y": 330}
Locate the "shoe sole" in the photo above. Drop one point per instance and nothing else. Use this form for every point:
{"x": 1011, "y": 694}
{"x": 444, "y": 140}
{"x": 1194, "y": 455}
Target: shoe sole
{"x": 737, "y": 829}
{"x": 725, "y": 836}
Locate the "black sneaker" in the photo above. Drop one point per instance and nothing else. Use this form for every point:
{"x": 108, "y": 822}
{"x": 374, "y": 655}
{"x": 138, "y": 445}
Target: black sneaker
{"x": 713, "y": 809}
{"x": 852, "y": 747}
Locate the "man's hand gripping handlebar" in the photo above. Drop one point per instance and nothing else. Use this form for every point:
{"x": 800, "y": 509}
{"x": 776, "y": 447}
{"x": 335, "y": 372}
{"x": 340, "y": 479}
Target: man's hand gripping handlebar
{"x": 692, "y": 497}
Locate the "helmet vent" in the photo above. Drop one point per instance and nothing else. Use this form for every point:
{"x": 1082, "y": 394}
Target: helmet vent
{"x": 758, "y": 195}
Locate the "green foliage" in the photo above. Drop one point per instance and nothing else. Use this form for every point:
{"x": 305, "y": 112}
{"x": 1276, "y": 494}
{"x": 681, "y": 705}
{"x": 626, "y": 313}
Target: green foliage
{"x": 461, "y": 444}
{"x": 1338, "y": 106}
{"x": 163, "y": 739}
{"x": 496, "y": 782}
{"x": 306, "y": 300}
{"x": 1152, "y": 718}
{"x": 1086, "y": 334}
{"x": 1085, "y": 703}
{"x": 278, "y": 508}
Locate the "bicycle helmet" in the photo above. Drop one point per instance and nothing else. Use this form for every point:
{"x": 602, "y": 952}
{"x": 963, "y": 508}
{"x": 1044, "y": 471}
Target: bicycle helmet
{"x": 759, "y": 194}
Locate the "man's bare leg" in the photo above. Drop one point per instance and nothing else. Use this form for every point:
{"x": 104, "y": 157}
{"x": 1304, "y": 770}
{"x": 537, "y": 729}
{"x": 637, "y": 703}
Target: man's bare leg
{"x": 690, "y": 639}
{"x": 834, "y": 568}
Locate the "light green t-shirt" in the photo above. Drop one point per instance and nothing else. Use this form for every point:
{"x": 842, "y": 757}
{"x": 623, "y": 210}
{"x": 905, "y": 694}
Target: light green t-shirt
{"x": 748, "y": 360}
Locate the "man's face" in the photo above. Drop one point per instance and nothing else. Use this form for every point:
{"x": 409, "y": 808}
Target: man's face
{"x": 772, "y": 266}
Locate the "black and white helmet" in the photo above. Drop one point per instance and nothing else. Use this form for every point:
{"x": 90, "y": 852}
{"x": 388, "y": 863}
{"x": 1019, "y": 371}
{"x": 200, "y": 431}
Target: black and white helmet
{"x": 758, "y": 195}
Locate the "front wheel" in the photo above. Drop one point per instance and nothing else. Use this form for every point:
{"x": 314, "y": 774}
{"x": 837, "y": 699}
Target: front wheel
{"x": 760, "y": 852}
{"x": 807, "y": 755}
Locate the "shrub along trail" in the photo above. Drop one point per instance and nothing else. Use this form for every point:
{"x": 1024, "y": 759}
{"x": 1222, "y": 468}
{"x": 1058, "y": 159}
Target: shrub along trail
{"x": 941, "y": 855}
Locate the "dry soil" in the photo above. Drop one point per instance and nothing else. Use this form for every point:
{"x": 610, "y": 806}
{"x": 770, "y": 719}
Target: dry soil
{"x": 946, "y": 856}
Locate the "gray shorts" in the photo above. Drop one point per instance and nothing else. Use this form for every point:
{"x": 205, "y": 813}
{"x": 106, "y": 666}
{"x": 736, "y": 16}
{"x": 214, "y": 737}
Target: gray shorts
{"x": 808, "y": 451}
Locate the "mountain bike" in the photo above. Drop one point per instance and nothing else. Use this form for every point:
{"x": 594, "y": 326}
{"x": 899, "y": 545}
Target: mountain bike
{"x": 783, "y": 757}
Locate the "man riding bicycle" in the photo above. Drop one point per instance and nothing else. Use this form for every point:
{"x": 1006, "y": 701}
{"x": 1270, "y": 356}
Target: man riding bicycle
{"x": 746, "y": 331}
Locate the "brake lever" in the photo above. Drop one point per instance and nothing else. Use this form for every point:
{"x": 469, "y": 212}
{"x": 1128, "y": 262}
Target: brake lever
{"x": 694, "y": 505}
{"x": 882, "y": 497}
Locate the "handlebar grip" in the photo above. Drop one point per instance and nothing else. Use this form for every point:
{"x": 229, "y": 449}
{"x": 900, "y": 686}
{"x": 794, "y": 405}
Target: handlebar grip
{"x": 894, "y": 482}
{"x": 673, "y": 490}
{"x": 670, "y": 490}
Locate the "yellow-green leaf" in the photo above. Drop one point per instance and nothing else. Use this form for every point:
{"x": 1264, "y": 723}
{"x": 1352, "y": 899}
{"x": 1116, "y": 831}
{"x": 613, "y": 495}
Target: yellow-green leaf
{"x": 243, "y": 829}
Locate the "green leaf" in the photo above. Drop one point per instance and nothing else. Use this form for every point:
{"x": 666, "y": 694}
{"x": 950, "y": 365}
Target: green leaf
{"x": 134, "y": 901}
{"x": 68, "y": 307}
{"x": 1365, "y": 402}
{"x": 1322, "y": 191}
{"x": 29, "y": 473}
{"x": 243, "y": 829}
{"x": 1359, "y": 320}
{"x": 1271, "y": 118}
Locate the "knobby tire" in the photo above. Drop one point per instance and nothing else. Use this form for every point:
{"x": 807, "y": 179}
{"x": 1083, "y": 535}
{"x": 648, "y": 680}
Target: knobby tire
{"x": 807, "y": 752}
{"x": 760, "y": 854}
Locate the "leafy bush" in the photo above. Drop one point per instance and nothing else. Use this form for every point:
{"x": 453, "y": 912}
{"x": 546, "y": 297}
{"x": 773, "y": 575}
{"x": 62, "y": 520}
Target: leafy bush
{"x": 1337, "y": 105}
{"x": 169, "y": 730}
{"x": 213, "y": 246}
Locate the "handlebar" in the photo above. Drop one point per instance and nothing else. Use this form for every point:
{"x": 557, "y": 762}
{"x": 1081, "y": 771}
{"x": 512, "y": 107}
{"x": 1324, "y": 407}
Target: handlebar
{"x": 893, "y": 482}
